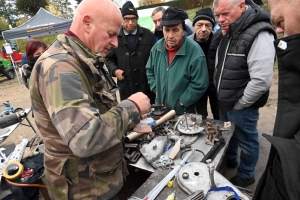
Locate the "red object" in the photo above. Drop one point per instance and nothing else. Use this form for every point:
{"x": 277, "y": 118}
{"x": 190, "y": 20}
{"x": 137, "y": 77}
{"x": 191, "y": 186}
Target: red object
{"x": 16, "y": 56}
{"x": 26, "y": 174}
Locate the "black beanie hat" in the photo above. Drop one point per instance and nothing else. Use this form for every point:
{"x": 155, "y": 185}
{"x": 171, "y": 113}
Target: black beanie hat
{"x": 206, "y": 14}
{"x": 128, "y": 9}
{"x": 173, "y": 16}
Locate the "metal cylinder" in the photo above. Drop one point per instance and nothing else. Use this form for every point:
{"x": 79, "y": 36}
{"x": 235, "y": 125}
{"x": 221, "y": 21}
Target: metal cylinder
{"x": 11, "y": 118}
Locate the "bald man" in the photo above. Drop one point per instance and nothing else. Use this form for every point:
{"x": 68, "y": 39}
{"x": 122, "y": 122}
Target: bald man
{"x": 281, "y": 178}
{"x": 243, "y": 75}
{"x": 79, "y": 119}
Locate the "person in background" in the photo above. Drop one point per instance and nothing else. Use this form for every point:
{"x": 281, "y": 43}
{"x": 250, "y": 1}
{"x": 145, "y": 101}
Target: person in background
{"x": 203, "y": 23}
{"x": 243, "y": 75}
{"x": 176, "y": 68}
{"x": 128, "y": 61}
{"x": 281, "y": 178}
{"x": 80, "y": 121}
{"x": 24, "y": 59}
{"x": 156, "y": 16}
{"x": 34, "y": 49}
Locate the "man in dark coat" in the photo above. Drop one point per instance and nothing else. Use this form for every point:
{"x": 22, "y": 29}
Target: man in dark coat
{"x": 128, "y": 61}
{"x": 203, "y": 24}
{"x": 281, "y": 179}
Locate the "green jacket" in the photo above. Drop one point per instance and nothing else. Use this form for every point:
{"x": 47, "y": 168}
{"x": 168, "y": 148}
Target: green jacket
{"x": 185, "y": 80}
{"x": 79, "y": 122}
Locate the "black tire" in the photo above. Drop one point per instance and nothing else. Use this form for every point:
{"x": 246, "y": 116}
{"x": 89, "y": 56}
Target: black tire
{"x": 10, "y": 74}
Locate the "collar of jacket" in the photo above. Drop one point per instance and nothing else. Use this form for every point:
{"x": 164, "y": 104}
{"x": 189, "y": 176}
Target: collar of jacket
{"x": 139, "y": 31}
{"x": 161, "y": 46}
{"x": 82, "y": 53}
{"x": 249, "y": 17}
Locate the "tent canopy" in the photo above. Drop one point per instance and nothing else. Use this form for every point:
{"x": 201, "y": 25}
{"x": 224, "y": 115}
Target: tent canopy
{"x": 42, "y": 23}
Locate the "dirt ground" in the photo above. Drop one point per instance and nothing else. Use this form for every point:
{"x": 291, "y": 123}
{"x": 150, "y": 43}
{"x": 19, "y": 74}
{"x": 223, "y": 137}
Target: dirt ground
{"x": 18, "y": 96}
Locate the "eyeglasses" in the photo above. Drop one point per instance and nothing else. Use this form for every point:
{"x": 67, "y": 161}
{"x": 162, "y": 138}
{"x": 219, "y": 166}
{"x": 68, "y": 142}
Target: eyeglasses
{"x": 127, "y": 19}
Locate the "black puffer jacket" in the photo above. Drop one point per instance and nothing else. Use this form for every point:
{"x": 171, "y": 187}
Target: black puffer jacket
{"x": 231, "y": 75}
{"x": 133, "y": 63}
{"x": 281, "y": 179}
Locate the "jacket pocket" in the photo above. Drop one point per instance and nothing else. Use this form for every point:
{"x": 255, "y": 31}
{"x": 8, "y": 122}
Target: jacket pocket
{"x": 56, "y": 181}
{"x": 106, "y": 176}
{"x": 105, "y": 101}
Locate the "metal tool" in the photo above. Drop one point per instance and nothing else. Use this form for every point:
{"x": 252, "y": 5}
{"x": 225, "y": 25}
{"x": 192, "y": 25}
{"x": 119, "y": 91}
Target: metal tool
{"x": 198, "y": 195}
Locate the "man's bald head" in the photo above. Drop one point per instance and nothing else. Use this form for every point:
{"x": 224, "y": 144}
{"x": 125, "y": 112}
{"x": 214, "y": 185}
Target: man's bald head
{"x": 285, "y": 16}
{"x": 97, "y": 24}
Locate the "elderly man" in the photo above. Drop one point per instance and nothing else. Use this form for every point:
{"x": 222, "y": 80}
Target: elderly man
{"x": 81, "y": 124}
{"x": 281, "y": 179}
{"x": 157, "y": 14}
{"x": 243, "y": 76}
{"x": 176, "y": 69}
{"x": 203, "y": 24}
{"x": 128, "y": 61}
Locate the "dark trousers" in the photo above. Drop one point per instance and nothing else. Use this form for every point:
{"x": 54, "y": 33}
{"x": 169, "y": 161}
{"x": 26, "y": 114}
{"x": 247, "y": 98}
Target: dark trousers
{"x": 201, "y": 106}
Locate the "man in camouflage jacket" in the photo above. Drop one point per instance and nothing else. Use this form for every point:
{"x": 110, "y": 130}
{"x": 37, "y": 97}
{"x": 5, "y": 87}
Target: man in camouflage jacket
{"x": 80, "y": 121}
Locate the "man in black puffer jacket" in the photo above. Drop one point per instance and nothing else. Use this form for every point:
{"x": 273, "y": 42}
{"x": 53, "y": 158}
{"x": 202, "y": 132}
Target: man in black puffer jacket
{"x": 243, "y": 76}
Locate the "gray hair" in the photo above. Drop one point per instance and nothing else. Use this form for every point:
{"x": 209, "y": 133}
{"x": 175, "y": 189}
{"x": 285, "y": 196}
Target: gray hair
{"x": 232, "y": 2}
{"x": 158, "y": 9}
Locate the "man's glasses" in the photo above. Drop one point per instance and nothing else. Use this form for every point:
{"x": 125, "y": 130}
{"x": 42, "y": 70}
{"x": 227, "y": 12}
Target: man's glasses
{"x": 127, "y": 19}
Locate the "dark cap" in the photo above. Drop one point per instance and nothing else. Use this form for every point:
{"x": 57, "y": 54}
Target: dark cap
{"x": 204, "y": 14}
{"x": 173, "y": 16}
{"x": 128, "y": 9}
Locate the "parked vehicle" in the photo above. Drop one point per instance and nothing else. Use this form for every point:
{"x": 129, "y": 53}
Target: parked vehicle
{"x": 6, "y": 68}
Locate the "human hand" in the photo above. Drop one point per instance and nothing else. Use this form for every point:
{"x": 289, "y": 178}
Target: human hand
{"x": 142, "y": 101}
{"x": 119, "y": 73}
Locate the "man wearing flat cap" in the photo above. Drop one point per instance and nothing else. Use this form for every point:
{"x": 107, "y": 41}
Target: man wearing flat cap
{"x": 128, "y": 61}
{"x": 176, "y": 69}
{"x": 203, "y": 24}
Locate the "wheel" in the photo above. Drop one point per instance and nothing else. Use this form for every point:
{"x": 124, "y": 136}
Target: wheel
{"x": 10, "y": 74}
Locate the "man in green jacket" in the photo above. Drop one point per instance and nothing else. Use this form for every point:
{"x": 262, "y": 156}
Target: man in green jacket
{"x": 176, "y": 69}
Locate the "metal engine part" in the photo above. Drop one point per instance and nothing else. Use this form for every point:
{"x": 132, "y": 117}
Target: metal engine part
{"x": 163, "y": 162}
{"x": 154, "y": 149}
{"x": 8, "y": 118}
{"x": 198, "y": 179}
{"x": 190, "y": 124}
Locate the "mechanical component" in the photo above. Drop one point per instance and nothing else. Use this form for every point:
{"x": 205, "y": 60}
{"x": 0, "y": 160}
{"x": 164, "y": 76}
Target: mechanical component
{"x": 8, "y": 118}
{"x": 185, "y": 175}
{"x": 189, "y": 124}
{"x": 213, "y": 134}
{"x": 163, "y": 162}
{"x": 211, "y": 169}
{"x": 132, "y": 155}
{"x": 198, "y": 176}
{"x": 158, "y": 109}
{"x": 214, "y": 150}
{"x": 153, "y": 154}
{"x": 153, "y": 193}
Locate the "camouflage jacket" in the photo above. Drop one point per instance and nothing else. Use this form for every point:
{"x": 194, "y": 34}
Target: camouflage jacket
{"x": 81, "y": 127}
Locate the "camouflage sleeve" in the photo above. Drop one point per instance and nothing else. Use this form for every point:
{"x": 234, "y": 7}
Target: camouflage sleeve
{"x": 75, "y": 112}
